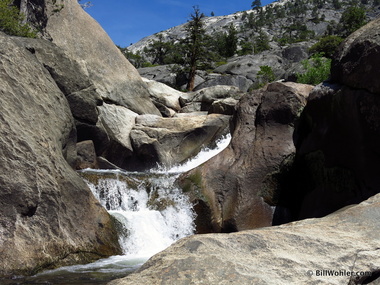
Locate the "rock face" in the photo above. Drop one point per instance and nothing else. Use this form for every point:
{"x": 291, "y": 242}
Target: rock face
{"x": 338, "y": 136}
{"x": 232, "y": 183}
{"x": 114, "y": 77}
{"x": 357, "y": 65}
{"x": 48, "y": 216}
{"x": 203, "y": 99}
{"x": 169, "y": 141}
{"x": 295, "y": 253}
{"x": 89, "y": 72}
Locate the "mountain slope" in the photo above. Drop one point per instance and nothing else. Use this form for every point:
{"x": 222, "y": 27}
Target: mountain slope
{"x": 278, "y": 20}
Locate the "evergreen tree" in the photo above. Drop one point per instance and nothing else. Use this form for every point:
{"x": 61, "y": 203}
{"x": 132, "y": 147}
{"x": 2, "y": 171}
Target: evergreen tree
{"x": 265, "y": 75}
{"x": 261, "y": 42}
{"x": 195, "y": 39}
{"x": 11, "y": 21}
{"x": 225, "y": 44}
{"x": 317, "y": 70}
{"x": 158, "y": 50}
{"x": 352, "y": 19}
{"x": 246, "y": 48}
{"x": 256, "y": 4}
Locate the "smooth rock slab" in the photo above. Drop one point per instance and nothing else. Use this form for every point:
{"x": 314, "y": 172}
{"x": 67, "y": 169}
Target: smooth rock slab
{"x": 294, "y": 253}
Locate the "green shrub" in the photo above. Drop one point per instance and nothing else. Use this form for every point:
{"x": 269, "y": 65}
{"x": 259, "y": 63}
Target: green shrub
{"x": 317, "y": 70}
{"x": 11, "y": 21}
{"x": 326, "y": 45}
{"x": 264, "y": 76}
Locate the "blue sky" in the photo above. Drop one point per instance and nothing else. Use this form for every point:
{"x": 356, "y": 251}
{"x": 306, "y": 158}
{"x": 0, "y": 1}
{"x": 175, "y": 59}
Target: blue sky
{"x": 128, "y": 21}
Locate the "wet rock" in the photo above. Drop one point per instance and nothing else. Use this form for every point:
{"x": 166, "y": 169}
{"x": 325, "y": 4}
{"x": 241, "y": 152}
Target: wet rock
{"x": 169, "y": 141}
{"x": 232, "y": 183}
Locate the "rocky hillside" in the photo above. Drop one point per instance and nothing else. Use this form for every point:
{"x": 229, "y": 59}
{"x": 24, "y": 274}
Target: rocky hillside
{"x": 278, "y": 35}
{"x": 278, "y": 20}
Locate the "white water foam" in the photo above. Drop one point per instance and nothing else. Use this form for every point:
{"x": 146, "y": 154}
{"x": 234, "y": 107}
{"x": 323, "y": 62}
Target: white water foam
{"x": 152, "y": 216}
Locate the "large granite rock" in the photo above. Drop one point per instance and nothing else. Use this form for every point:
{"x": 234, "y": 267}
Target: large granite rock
{"x": 48, "y": 216}
{"x": 238, "y": 81}
{"x": 170, "y": 141}
{"x": 163, "y": 94}
{"x": 162, "y": 73}
{"x": 249, "y": 65}
{"x": 357, "y": 64}
{"x": 83, "y": 40}
{"x": 119, "y": 122}
{"x": 202, "y": 100}
{"x": 232, "y": 184}
{"x": 342, "y": 248}
{"x": 338, "y": 136}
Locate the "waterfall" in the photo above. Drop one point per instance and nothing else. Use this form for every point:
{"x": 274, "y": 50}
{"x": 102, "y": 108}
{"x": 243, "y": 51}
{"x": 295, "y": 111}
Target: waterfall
{"x": 151, "y": 214}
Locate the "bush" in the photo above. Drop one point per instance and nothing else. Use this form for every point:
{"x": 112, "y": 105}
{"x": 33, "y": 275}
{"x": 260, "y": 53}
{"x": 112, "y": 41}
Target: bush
{"x": 264, "y": 76}
{"x": 11, "y": 21}
{"x": 317, "y": 70}
{"x": 326, "y": 45}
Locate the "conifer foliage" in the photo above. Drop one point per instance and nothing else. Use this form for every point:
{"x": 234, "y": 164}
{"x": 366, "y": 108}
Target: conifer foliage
{"x": 11, "y": 21}
{"x": 196, "y": 35}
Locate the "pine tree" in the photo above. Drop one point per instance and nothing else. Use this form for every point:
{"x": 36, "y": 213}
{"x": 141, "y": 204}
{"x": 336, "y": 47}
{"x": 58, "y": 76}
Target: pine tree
{"x": 158, "y": 50}
{"x": 196, "y": 35}
{"x": 352, "y": 19}
{"x": 11, "y": 21}
{"x": 256, "y": 4}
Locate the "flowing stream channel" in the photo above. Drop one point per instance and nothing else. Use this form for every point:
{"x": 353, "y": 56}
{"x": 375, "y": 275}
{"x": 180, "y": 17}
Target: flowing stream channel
{"x": 151, "y": 214}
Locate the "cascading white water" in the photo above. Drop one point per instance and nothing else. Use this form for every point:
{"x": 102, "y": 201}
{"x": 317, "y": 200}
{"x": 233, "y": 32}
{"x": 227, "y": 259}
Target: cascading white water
{"x": 152, "y": 214}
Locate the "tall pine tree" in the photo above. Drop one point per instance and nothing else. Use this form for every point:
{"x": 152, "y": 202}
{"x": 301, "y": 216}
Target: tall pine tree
{"x": 196, "y": 35}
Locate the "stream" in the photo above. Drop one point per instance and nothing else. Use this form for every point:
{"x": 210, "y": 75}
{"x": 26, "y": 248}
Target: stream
{"x": 151, "y": 214}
